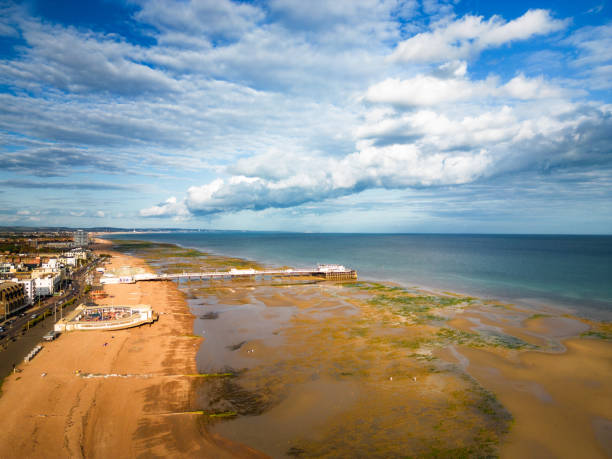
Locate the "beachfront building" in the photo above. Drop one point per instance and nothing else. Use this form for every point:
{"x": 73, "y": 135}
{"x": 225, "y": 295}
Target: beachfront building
{"x": 12, "y": 298}
{"x": 47, "y": 284}
{"x": 106, "y": 318}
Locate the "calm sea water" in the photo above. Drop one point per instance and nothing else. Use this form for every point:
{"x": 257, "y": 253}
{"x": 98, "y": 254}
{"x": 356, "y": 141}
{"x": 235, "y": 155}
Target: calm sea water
{"x": 569, "y": 271}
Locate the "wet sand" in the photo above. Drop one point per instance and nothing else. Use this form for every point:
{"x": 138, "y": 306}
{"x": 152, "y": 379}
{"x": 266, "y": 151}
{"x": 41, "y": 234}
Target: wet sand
{"x": 138, "y": 400}
{"x": 322, "y": 374}
{"x": 327, "y": 374}
{"x": 561, "y": 399}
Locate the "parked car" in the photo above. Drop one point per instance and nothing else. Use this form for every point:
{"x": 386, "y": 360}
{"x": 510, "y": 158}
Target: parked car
{"x": 50, "y": 336}
{"x": 33, "y": 316}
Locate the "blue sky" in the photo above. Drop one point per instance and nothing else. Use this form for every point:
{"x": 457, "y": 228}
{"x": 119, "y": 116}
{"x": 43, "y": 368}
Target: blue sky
{"x": 353, "y": 115}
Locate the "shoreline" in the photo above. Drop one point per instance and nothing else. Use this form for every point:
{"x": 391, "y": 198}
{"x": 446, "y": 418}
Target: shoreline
{"x": 133, "y": 394}
{"x": 372, "y": 357}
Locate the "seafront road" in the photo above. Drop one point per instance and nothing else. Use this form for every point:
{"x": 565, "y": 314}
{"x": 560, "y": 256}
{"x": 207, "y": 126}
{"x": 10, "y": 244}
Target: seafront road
{"x": 16, "y": 342}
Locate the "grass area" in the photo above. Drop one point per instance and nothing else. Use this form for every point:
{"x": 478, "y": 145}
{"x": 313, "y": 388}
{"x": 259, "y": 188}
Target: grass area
{"x": 447, "y": 335}
{"x": 408, "y": 303}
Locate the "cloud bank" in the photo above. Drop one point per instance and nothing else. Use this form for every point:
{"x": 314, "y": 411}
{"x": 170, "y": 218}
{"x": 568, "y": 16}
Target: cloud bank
{"x": 224, "y": 108}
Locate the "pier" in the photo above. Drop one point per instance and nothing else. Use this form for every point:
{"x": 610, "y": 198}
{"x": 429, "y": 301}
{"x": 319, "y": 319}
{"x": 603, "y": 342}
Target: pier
{"x": 327, "y": 272}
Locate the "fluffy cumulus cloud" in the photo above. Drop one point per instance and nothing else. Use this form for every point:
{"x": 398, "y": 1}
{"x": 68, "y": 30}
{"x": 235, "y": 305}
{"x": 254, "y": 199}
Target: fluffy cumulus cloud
{"x": 440, "y": 128}
{"x": 170, "y": 208}
{"x": 429, "y": 90}
{"x": 390, "y": 167}
{"x": 466, "y": 37}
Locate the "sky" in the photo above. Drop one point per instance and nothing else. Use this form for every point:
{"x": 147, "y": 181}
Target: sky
{"x": 446, "y": 116}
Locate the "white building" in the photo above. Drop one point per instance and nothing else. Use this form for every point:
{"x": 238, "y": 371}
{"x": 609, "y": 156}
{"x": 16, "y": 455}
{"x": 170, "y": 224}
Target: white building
{"x": 68, "y": 261}
{"x": 29, "y": 286}
{"x": 47, "y": 284}
{"x": 51, "y": 264}
{"x": 78, "y": 253}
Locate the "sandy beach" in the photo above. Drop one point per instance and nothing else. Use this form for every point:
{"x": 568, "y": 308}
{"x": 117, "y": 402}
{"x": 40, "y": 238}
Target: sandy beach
{"x": 138, "y": 396}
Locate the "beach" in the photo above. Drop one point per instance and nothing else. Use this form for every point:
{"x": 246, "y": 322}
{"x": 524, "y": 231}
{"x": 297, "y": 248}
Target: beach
{"x": 124, "y": 393}
{"x": 302, "y": 368}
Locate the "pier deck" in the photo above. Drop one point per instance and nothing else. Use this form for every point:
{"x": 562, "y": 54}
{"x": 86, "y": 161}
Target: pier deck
{"x": 329, "y": 272}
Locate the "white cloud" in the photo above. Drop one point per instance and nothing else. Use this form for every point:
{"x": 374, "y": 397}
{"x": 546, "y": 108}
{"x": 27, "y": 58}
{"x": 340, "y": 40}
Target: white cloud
{"x": 170, "y": 208}
{"x": 521, "y": 87}
{"x": 391, "y": 167}
{"x": 211, "y": 18}
{"x": 594, "y": 59}
{"x": 449, "y": 84}
{"x": 423, "y": 90}
{"x": 343, "y": 22}
{"x": 100, "y": 214}
{"x": 468, "y": 36}
{"x": 81, "y": 62}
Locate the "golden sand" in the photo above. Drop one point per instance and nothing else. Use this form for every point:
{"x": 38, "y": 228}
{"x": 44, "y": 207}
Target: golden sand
{"x": 137, "y": 405}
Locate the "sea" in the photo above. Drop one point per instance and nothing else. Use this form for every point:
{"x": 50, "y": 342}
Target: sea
{"x": 569, "y": 272}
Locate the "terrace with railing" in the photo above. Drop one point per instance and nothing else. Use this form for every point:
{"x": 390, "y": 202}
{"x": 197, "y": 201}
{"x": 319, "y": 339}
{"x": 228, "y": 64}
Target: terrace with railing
{"x": 106, "y": 318}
